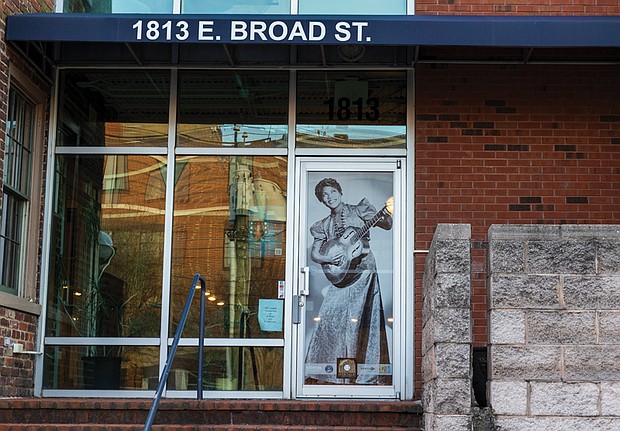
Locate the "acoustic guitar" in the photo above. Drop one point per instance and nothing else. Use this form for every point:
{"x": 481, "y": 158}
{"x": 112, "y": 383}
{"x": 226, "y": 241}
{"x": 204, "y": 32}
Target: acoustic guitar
{"x": 354, "y": 247}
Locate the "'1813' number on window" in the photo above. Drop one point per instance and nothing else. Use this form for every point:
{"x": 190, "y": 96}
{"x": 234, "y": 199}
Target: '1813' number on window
{"x": 344, "y": 109}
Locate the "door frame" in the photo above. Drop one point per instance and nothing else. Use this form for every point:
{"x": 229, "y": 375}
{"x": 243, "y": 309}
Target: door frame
{"x": 396, "y": 166}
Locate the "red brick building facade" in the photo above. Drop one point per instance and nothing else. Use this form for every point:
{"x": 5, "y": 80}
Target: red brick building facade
{"x": 514, "y": 144}
{"x": 19, "y": 316}
{"x": 496, "y": 142}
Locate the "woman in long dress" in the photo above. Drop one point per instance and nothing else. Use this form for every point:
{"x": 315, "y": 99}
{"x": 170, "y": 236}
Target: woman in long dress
{"x": 351, "y": 321}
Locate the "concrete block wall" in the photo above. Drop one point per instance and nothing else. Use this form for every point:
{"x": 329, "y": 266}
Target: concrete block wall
{"x": 554, "y": 327}
{"x": 446, "y": 330}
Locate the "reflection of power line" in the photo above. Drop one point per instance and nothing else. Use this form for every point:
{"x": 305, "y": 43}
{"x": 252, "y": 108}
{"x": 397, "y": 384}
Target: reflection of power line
{"x": 159, "y": 135}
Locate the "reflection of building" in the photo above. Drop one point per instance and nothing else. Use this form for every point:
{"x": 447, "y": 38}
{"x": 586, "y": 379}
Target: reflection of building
{"x": 491, "y": 120}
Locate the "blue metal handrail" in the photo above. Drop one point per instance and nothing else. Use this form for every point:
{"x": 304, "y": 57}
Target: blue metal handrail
{"x": 175, "y": 343}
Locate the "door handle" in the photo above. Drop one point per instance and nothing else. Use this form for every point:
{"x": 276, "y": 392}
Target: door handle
{"x": 304, "y": 288}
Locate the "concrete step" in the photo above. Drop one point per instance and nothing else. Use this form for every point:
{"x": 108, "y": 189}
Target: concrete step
{"x": 71, "y": 414}
{"x": 102, "y": 427}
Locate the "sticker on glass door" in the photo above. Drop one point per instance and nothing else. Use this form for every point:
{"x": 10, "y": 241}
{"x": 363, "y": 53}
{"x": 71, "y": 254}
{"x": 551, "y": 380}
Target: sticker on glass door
{"x": 348, "y": 309}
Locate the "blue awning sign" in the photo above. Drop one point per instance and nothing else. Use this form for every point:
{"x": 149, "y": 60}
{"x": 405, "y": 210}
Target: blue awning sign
{"x": 299, "y": 31}
{"x": 438, "y": 30}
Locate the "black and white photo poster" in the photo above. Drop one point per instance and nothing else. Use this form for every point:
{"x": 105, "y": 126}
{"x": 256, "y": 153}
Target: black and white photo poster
{"x": 350, "y": 306}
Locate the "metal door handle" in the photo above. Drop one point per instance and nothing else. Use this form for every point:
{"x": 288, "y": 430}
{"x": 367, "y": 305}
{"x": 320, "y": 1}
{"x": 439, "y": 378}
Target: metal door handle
{"x": 304, "y": 288}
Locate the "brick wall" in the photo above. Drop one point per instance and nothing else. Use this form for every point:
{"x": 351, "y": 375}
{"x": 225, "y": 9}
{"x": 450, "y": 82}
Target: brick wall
{"x": 554, "y": 300}
{"x": 527, "y": 144}
{"x": 16, "y": 371}
{"x": 517, "y": 7}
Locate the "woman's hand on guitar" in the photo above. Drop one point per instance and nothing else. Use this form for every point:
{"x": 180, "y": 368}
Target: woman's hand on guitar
{"x": 389, "y": 205}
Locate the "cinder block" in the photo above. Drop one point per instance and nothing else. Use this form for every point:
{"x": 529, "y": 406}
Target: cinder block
{"x": 609, "y": 327}
{"x": 592, "y": 292}
{"x": 532, "y": 291}
{"x": 453, "y": 231}
{"x": 507, "y": 327}
{"x": 453, "y": 360}
{"x": 429, "y": 371}
{"x": 452, "y": 396}
{"x": 560, "y": 327}
{"x": 452, "y": 256}
{"x": 592, "y": 363}
{"x": 428, "y": 335}
{"x": 610, "y": 399}
{"x": 567, "y": 257}
{"x": 562, "y": 399}
{"x": 506, "y": 256}
{"x": 523, "y": 232}
{"x": 608, "y": 257}
{"x": 428, "y": 397}
{"x": 452, "y": 423}
{"x": 451, "y": 325}
{"x": 525, "y": 363}
{"x": 589, "y": 231}
{"x": 452, "y": 290}
{"x": 428, "y": 303}
{"x": 557, "y": 424}
{"x": 508, "y": 397}
{"x": 429, "y": 421}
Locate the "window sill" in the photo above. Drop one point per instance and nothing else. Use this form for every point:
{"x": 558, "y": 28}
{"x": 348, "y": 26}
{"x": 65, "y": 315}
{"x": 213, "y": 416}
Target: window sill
{"x": 19, "y": 304}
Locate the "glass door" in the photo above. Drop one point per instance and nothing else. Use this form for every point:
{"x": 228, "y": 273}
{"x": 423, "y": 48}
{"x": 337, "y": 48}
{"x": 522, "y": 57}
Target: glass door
{"x": 348, "y": 299}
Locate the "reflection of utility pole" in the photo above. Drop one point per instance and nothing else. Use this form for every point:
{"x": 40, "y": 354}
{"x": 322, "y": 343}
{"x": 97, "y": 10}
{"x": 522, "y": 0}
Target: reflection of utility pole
{"x": 240, "y": 189}
{"x": 236, "y": 129}
{"x": 233, "y": 199}
{"x": 232, "y": 211}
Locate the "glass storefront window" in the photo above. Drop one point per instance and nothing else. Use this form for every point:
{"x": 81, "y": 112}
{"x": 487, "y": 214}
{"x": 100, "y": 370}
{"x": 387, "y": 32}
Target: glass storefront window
{"x": 229, "y": 369}
{"x": 229, "y": 226}
{"x": 100, "y": 367}
{"x": 353, "y": 7}
{"x": 109, "y": 108}
{"x": 112, "y": 262}
{"x": 250, "y": 7}
{"x": 232, "y": 109}
{"x": 118, "y": 6}
{"x": 351, "y": 109}
{"x": 107, "y": 247}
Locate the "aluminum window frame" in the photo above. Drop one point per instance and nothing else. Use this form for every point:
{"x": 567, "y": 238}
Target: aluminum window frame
{"x": 171, "y": 152}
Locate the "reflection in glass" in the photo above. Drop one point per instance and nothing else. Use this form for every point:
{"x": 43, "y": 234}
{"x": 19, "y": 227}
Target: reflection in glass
{"x": 336, "y": 136}
{"x": 106, "y": 247}
{"x": 229, "y": 226}
{"x": 345, "y": 7}
{"x": 237, "y": 6}
{"x": 77, "y": 367}
{"x": 232, "y": 109}
{"x": 251, "y": 369}
{"x": 351, "y": 109}
{"x": 15, "y": 197}
{"x": 109, "y": 108}
{"x": 117, "y": 6}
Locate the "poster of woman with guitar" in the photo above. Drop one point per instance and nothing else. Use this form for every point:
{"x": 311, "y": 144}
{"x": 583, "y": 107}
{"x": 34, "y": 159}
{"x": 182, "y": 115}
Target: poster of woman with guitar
{"x": 349, "y": 339}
